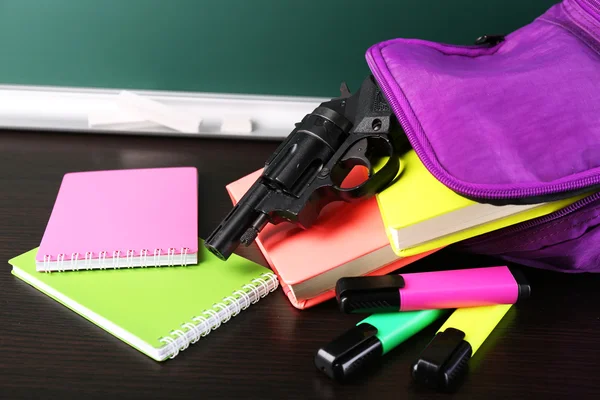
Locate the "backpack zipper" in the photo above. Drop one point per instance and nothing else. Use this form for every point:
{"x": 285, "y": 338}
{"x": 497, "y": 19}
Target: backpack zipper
{"x": 592, "y": 7}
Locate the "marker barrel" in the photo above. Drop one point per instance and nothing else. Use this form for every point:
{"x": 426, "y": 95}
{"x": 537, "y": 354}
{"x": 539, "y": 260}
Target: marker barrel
{"x": 395, "y": 328}
{"x": 476, "y": 322}
{"x": 473, "y": 287}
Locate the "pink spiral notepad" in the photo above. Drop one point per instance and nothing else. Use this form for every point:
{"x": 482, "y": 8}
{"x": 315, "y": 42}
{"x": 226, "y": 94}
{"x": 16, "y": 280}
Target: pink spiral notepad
{"x": 122, "y": 218}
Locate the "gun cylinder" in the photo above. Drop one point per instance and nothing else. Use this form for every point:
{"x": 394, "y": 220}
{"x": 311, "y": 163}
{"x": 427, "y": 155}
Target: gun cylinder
{"x": 312, "y": 144}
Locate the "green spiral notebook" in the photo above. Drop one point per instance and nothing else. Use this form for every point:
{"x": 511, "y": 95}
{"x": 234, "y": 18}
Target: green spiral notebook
{"x": 158, "y": 311}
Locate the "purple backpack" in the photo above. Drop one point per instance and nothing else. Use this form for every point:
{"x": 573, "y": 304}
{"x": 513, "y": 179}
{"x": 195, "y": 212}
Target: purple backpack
{"x": 513, "y": 119}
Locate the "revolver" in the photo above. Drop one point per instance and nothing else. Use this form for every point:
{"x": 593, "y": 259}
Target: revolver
{"x": 308, "y": 168}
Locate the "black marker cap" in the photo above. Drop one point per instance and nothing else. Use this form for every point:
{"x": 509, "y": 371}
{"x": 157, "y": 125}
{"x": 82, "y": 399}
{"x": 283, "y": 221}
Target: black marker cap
{"x": 350, "y": 353}
{"x": 369, "y": 294}
{"x": 445, "y": 361}
{"x": 524, "y": 287}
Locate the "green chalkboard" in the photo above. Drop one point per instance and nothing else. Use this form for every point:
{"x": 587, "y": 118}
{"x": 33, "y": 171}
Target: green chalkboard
{"x": 302, "y": 47}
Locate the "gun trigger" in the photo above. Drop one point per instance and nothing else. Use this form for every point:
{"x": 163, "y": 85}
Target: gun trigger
{"x": 357, "y": 155}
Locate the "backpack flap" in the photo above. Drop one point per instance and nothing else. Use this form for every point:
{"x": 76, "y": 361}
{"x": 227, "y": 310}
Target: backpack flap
{"x": 512, "y": 120}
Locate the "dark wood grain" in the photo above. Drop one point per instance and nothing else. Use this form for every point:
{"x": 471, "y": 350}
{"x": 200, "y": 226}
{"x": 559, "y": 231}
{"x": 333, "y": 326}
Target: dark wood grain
{"x": 548, "y": 346}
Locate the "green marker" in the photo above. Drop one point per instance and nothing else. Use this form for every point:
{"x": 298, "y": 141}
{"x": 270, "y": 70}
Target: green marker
{"x": 363, "y": 345}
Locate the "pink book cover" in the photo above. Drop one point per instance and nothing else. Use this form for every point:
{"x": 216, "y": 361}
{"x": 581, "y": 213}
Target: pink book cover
{"x": 345, "y": 237}
{"x": 122, "y": 218}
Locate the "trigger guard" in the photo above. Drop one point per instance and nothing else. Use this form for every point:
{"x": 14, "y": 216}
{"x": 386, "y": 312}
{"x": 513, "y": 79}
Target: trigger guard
{"x": 375, "y": 182}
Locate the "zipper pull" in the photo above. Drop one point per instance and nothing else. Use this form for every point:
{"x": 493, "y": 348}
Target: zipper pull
{"x": 491, "y": 40}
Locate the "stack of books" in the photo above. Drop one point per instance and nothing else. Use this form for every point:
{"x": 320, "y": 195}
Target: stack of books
{"x": 414, "y": 217}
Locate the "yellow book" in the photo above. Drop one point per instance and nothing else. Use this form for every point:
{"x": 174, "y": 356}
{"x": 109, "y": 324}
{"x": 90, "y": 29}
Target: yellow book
{"x": 421, "y": 214}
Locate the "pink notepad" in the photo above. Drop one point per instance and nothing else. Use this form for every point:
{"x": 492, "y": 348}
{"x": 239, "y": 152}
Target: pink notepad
{"x": 122, "y": 218}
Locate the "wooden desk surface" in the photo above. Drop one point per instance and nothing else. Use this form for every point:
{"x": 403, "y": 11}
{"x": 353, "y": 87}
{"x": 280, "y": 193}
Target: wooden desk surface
{"x": 548, "y": 346}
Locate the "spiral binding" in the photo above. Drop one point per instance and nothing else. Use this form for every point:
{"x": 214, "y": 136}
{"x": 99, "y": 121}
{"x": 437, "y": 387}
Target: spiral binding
{"x": 116, "y": 261}
{"x": 220, "y": 313}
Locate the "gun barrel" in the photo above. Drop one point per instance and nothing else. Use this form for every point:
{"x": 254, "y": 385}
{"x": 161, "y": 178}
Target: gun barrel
{"x": 243, "y": 220}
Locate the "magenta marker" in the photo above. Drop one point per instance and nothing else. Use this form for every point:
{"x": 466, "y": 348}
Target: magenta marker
{"x": 459, "y": 288}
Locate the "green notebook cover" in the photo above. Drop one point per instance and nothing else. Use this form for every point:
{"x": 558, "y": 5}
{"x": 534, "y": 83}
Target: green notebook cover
{"x": 157, "y": 310}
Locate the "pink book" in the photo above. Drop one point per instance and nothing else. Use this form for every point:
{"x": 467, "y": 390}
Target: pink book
{"x": 122, "y": 218}
{"x": 347, "y": 240}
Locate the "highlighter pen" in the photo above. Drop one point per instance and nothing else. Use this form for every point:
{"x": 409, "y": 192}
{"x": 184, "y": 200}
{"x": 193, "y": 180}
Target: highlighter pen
{"x": 443, "y": 364}
{"x": 474, "y": 287}
{"x": 362, "y": 346}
